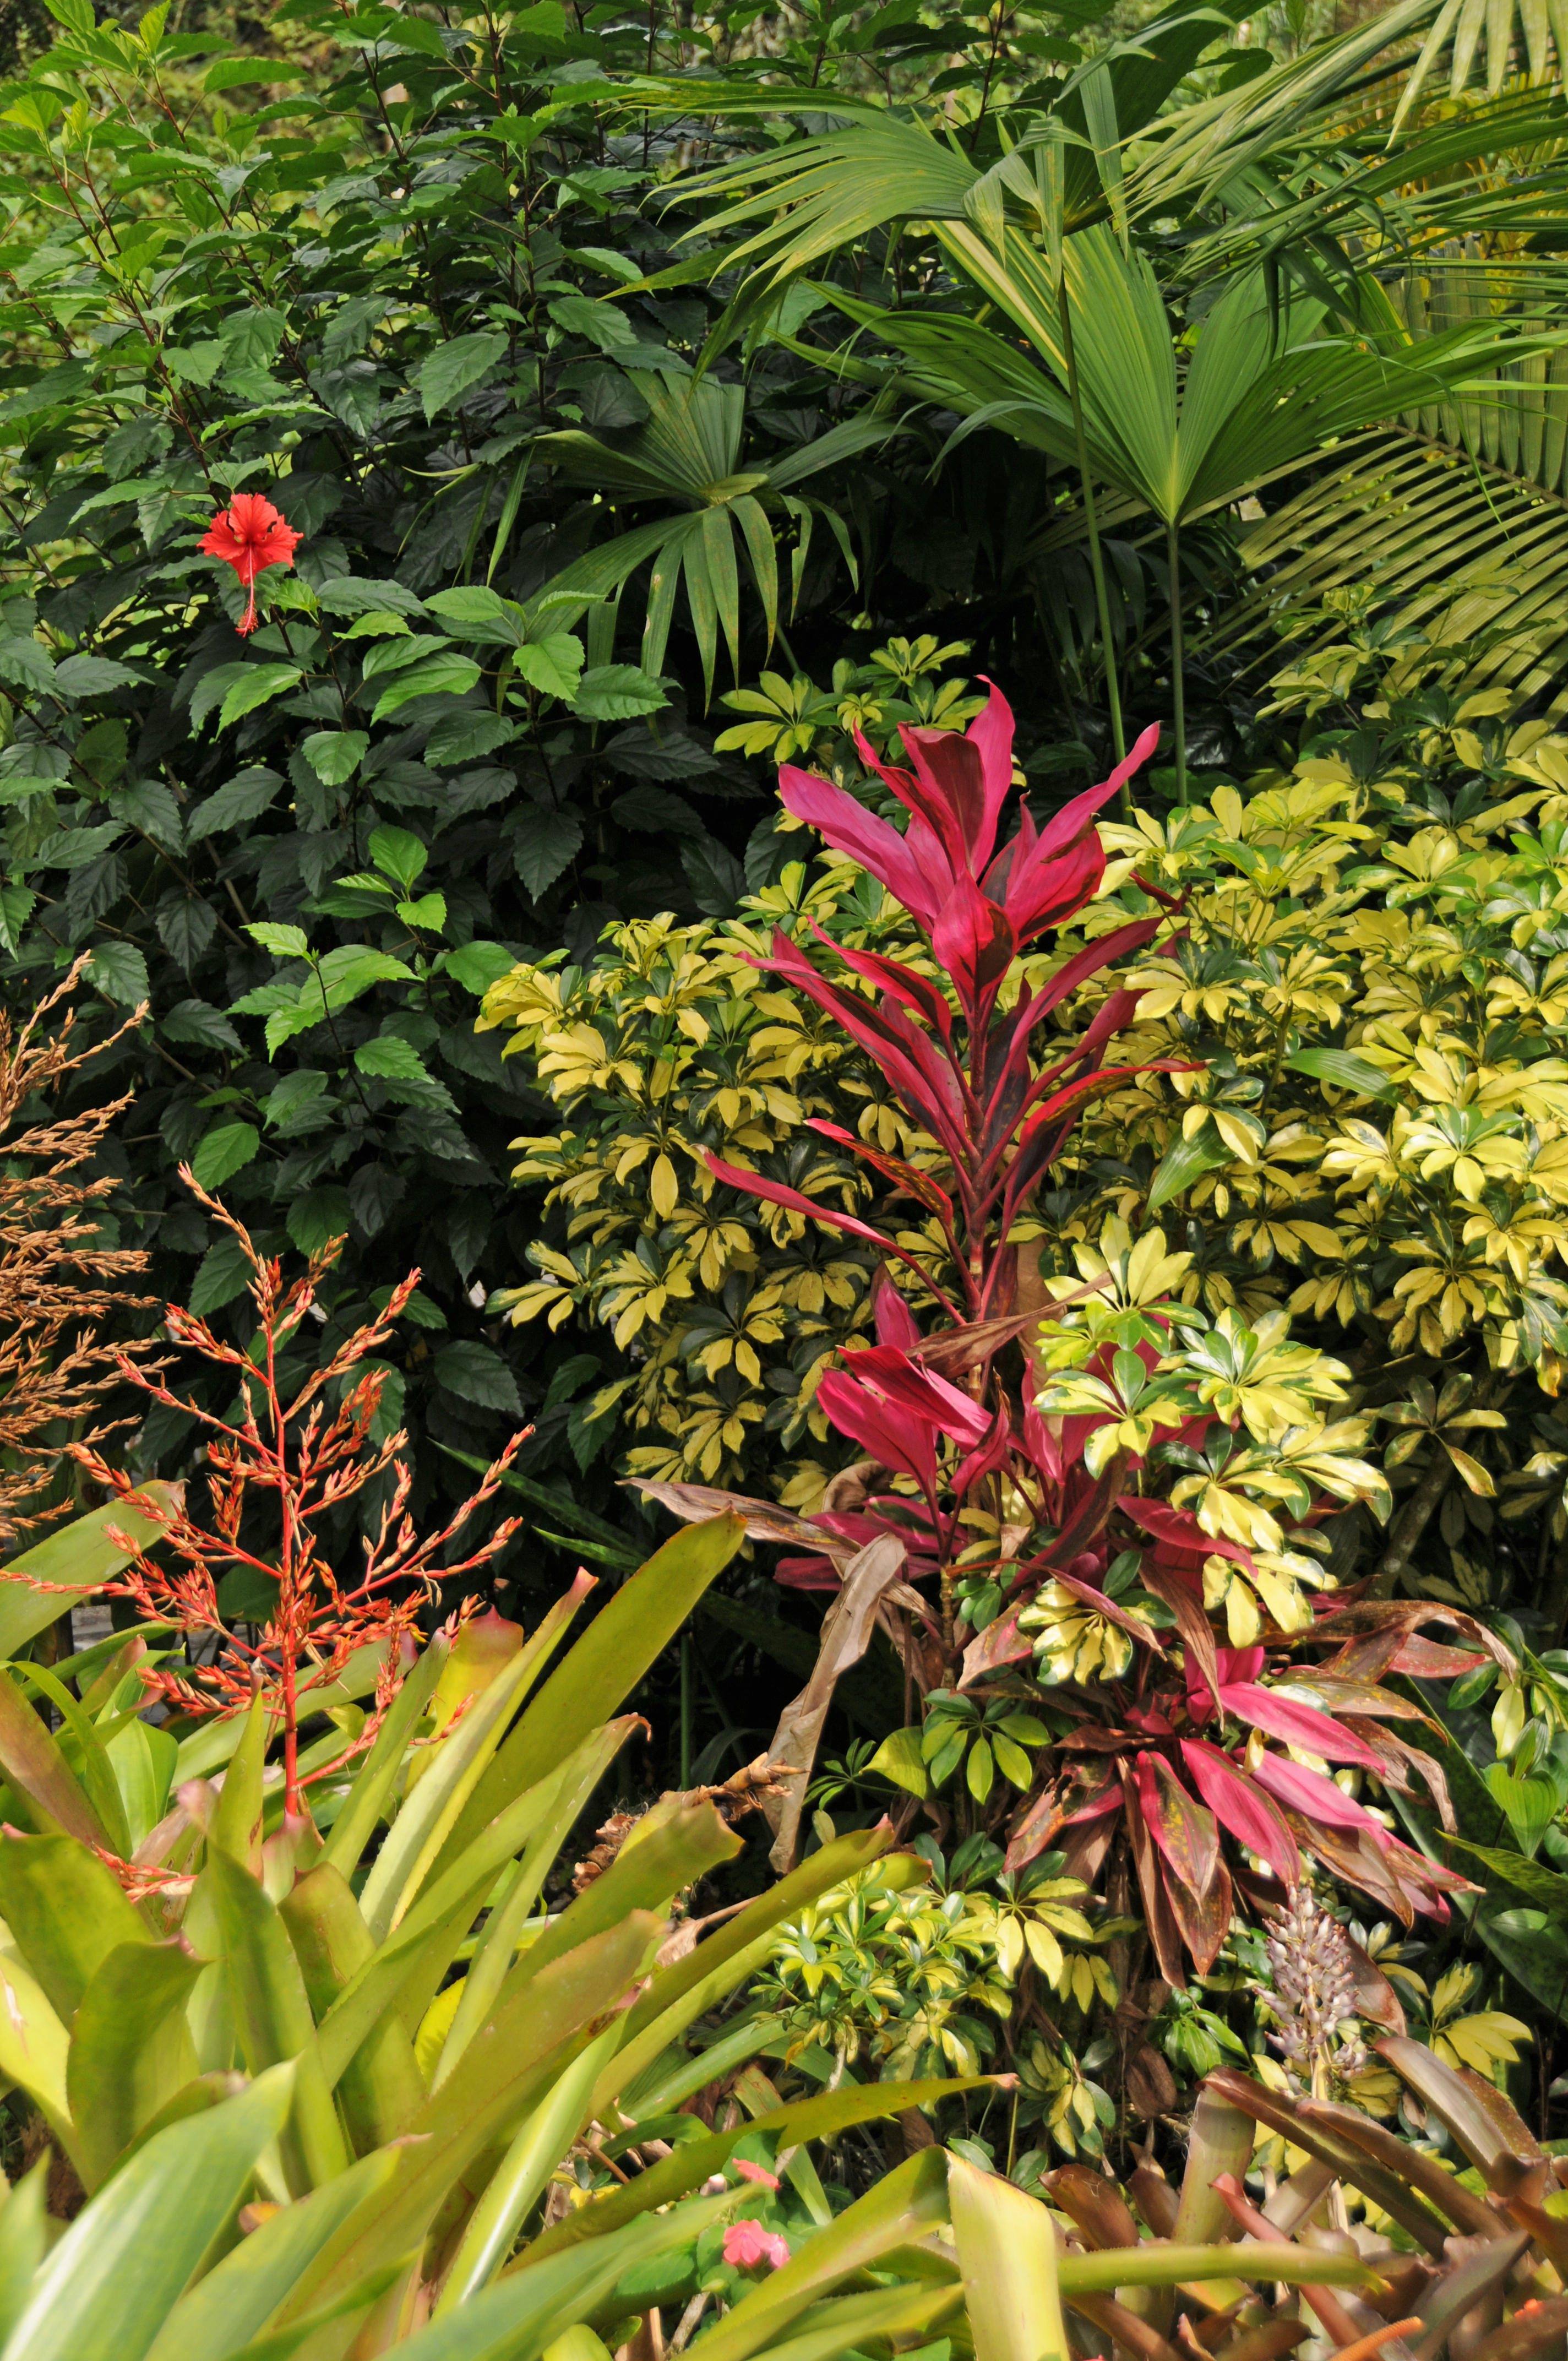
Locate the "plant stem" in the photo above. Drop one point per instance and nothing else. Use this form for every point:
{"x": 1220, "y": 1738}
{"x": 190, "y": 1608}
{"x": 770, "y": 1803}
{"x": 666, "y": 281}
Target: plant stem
{"x": 1411, "y": 1524}
{"x": 685, "y": 1712}
{"x": 1096, "y": 561}
{"x": 1177, "y": 657}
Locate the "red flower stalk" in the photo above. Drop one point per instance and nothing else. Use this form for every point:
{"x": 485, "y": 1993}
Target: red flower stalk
{"x": 287, "y": 1465}
{"x": 251, "y": 534}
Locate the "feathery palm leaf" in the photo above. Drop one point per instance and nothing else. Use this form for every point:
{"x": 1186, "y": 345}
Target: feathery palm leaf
{"x": 1461, "y": 26}
{"x": 1436, "y": 529}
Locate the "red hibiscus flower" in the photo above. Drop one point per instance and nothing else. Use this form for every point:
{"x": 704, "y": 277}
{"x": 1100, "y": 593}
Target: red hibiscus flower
{"x": 250, "y": 535}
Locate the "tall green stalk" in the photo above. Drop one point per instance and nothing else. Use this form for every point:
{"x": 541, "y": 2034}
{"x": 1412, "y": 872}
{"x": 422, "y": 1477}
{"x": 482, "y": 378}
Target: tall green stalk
{"x": 1177, "y": 657}
{"x": 1096, "y": 562}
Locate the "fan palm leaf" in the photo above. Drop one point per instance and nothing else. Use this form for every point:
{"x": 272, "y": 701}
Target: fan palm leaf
{"x": 1267, "y": 385}
{"x": 688, "y": 453}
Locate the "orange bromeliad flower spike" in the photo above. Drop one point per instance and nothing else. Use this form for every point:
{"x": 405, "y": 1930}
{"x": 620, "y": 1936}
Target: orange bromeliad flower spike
{"x": 251, "y": 534}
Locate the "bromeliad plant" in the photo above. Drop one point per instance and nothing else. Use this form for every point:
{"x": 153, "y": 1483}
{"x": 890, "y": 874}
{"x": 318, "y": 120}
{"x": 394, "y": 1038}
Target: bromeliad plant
{"x": 1140, "y": 1473}
{"x": 349, "y": 1908}
{"x": 1468, "y": 2262}
{"x": 154, "y": 2264}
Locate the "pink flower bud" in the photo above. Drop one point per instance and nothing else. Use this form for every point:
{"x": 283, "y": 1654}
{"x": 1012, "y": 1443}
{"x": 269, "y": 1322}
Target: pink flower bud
{"x": 747, "y": 2244}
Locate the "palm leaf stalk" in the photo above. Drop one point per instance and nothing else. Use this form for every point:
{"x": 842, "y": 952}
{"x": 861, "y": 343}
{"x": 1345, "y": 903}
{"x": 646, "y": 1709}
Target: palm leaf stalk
{"x": 1096, "y": 561}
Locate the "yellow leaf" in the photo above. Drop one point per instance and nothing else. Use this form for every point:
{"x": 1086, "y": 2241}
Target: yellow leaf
{"x": 664, "y": 1188}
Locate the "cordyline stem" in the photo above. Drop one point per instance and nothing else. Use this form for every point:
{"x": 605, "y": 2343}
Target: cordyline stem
{"x": 1096, "y": 562}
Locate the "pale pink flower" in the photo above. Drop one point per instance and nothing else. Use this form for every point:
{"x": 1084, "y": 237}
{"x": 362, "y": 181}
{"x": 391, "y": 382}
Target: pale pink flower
{"x": 758, "y": 2172}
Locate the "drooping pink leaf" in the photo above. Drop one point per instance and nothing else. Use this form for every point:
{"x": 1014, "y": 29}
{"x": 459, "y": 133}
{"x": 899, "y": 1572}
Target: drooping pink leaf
{"x": 1000, "y": 1644}
{"x": 1090, "y": 1595}
{"x": 773, "y": 1192}
{"x": 907, "y": 1177}
{"x": 1427, "y": 1660}
{"x": 1313, "y": 1795}
{"x": 1179, "y": 1538}
{"x": 920, "y": 1392}
{"x": 900, "y": 983}
{"x": 917, "y": 1071}
{"x": 1013, "y": 1032}
{"x": 1297, "y": 1725}
{"x": 992, "y": 1453}
{"x": 1183, "y": 1829}
{"x": 902, "y": 1444}
{"x": 895, "y": 1323}
{"x": 1240, "y": 1808}
{"x": 1041, "y": 1444}
{"x": 846, "y": 825}
{"x": 1204, "y": 1917}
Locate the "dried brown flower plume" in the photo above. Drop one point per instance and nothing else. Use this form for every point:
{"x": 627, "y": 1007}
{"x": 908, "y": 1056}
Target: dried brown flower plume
{"x": 58, "y": 1285}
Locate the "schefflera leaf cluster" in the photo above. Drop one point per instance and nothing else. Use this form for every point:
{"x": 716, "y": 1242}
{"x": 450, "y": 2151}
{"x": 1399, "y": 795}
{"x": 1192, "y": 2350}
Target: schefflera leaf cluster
{"x": 1367, "y": 976}
{"x": 669, "y": 1047}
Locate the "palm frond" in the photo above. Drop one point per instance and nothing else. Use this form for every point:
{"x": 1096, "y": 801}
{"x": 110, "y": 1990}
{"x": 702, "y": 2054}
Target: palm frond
{"x": 1464, "y": 26}
{"x": 1269, "y": 383}
{"x": 1498, "y": 165}
{"x": 688, "y": 454}
{"x": 1197, "y": 151}
{"x": 1439, "y": 533}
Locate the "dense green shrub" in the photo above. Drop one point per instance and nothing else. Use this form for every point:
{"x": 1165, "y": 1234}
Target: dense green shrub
{"x": 363, "y": 298}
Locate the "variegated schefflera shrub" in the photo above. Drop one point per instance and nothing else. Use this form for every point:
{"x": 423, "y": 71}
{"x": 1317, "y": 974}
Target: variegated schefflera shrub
{"x": 1374, "y": 1138}
{"x": 1099, "y": 1665}
{"x": 724, "y": 1314}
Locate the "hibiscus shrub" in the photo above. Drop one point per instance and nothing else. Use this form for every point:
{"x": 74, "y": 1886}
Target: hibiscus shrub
{"x": 275, "y": 506}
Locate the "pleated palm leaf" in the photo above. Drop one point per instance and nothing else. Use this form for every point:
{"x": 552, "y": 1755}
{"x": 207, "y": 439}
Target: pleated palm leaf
{"x": 819, "y": 194}
{"x": 688, "y": 453}
{"x": 1266, "y": 388}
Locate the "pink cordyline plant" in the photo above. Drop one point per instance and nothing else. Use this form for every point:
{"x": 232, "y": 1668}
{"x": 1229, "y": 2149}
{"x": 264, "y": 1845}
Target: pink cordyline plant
{"x": 1187, "y": 1770}
{"x": 293, "y": 1459}
{"x": 964, "y": 1073}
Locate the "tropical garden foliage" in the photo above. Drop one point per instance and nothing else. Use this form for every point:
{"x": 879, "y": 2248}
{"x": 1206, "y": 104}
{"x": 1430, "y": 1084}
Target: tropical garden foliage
{"x": 784, "y": 889}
